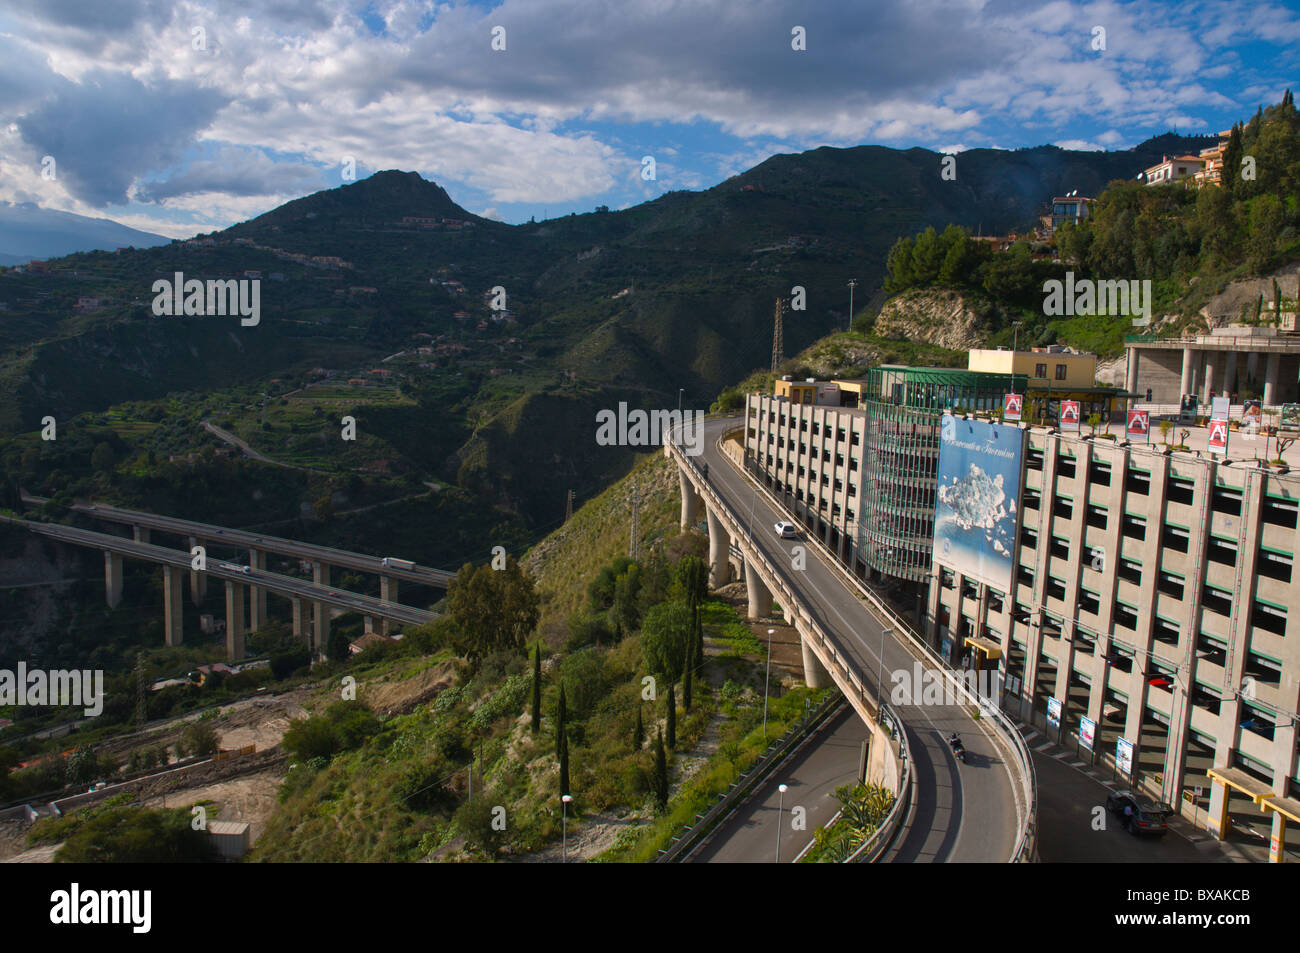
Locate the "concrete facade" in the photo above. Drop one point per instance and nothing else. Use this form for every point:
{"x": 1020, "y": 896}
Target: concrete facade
{"x": 1241, "y": 360}
{"x": 811, "y": 458}
{"x": 1156, "y": 595}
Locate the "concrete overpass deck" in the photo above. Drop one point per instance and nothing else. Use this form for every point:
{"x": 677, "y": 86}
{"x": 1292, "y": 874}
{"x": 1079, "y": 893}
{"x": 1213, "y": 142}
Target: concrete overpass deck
{"x": 244, "y": 539}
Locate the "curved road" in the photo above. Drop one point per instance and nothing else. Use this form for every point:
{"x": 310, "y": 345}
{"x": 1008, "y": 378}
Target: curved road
{"x": 959, "y": 812}
{"x": 828, "y": 760}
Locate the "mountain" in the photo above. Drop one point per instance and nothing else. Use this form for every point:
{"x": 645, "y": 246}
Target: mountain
{"x": 28, "y": 231}
{"x": 632, "y": 305}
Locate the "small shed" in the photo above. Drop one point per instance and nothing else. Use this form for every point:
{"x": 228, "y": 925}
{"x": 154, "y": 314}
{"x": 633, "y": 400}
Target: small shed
{"x": 230, "y": 838}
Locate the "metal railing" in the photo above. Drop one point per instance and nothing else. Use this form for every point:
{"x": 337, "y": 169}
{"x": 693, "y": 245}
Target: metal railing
{"x": 706, "y": 823}
{"x": 874, "y": 846}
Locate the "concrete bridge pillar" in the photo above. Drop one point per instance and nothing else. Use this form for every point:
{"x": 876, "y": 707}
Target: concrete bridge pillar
{"x": 1252, "y": 365}
{"x": 320, "y": 627}
{"x": 1131, "y": 381}
{"x": 1189, "y": 373}
{"x": 690, "y": 499}
{"x": 388, "y": 588}
{"x": 1271, "y": 374}
{"x": 198, "y": 580}
{"x": 1229, "y": 372}
{"x": 234, "y": 620}
{"x": 300, "y": 628}
{"x": 172, "y": 607}
{"x": 257, "y": 600}
{"x": 140, "y": 534}
{"x": 814, "y": 672}
{"x": 320, "y": 613}
{"x": 113, "y": 579}
{"x": 1207, "y": 384}
{"x": 367, "y": 624}
{"x": 719, "y": 571}
{"x": 760, "y": 597}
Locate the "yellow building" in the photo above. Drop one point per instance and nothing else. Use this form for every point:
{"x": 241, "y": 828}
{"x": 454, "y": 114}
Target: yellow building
{"x": 1061, "y": 367}
{"x": 810, "y": 391}
{"x": 1055, "y": 374}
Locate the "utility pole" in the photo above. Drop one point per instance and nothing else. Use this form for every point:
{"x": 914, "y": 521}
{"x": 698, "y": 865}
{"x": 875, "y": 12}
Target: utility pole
{"x": 853, "y": 283}
{"x": 568, "y": 506}
{"x": 778, "y": 339}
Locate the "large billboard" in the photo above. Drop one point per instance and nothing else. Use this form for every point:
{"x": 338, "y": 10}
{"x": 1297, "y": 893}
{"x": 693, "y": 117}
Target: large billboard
{"x": 976, "y": 503}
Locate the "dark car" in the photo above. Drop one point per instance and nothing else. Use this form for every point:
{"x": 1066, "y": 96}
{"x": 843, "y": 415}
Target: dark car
{"x": 1141, "y": 814}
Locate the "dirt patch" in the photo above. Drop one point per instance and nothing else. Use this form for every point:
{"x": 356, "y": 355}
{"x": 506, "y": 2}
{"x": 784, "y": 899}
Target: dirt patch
{"x": 401, "y": 697}
{"x": 251, "y": 798}
{"x": 587, "y": 838}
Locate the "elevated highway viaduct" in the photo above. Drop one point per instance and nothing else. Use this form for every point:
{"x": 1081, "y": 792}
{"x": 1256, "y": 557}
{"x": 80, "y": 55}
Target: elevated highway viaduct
{"x": 982, "y": 810}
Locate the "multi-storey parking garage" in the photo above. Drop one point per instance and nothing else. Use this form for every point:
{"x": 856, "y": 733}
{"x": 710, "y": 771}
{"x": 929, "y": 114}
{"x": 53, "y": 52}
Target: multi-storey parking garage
{"x": 862, "y": 477}
{"x": 1155, "y": 600}
{"x": 1153, "y": 595}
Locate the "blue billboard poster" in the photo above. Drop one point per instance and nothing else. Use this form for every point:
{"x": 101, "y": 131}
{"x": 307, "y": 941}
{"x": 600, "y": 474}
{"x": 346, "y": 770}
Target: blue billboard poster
{"x": 1124, "y": 755}
{"x": 1053, "y": 713}
{"x": 978, "y": 495}
{"x": 1087, "y": 732}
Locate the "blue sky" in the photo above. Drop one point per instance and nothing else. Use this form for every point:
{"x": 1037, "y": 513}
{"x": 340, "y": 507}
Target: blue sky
{"x": 181, "y": 116}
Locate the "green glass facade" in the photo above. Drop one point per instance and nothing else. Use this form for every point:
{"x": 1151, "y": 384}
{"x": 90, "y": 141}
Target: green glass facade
{"x": 904, "y": 407}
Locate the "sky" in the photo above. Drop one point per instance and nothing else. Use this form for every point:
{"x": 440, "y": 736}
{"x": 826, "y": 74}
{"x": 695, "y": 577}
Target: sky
{"x": 186, "y": 116}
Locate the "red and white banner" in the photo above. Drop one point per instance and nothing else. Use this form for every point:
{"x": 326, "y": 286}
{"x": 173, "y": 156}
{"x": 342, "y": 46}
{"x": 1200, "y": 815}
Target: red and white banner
{"x": 1012, "y": 405}
{"x": 1070, "y": 415}
{"x": 1219, "y": 435}
{"x": 1139, "y": 424}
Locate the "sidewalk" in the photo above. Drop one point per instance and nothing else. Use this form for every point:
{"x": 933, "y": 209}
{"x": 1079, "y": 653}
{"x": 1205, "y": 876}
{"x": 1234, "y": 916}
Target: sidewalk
{"x": 1243, "y": 845}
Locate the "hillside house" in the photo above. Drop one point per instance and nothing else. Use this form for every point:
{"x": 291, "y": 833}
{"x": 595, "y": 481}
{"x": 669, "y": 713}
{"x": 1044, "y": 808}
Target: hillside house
{"x": 1173, "y": 169}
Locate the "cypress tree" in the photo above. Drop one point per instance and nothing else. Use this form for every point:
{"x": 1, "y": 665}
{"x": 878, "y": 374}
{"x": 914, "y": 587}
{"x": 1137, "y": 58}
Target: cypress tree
{"x": 672, "y": 716}
{"x": 638, "y": 734}
{"x": 1231, "y": 172}
{"x": 686, "y": 689}
{"x": 660, "y": 780}
{"x": 562, "y": 743}
{"x": 699, "y": 640}
{"x": 537, "y": 687}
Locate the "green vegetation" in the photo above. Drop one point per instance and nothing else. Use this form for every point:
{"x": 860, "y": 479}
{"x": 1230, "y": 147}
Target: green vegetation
{"x": 1189, "y": 242}
{"x": 122, "y": 833}
{"x": 862, "y": 808}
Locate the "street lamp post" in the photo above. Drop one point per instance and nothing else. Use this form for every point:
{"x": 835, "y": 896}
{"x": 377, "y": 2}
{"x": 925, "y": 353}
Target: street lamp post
{"x": 565, "y": 799}
{"x": 780, "y": 819}
{"x": 767, "y": 678}
{"x": 680, "y": 391}
{"x": 852, "y": 284}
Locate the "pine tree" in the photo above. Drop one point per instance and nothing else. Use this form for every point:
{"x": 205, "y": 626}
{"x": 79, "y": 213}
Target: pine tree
{"x": 686, "y": 689}
{"x": 659, "y": 783}
{"x": 638, "y": 734}
{"x": 672, "y": 716}
{"x": 562, "y": 742}
{"x": 537, "y": 688}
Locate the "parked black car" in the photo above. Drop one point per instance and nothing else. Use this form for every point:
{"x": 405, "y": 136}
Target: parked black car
{"x": 1144, "y": 815}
